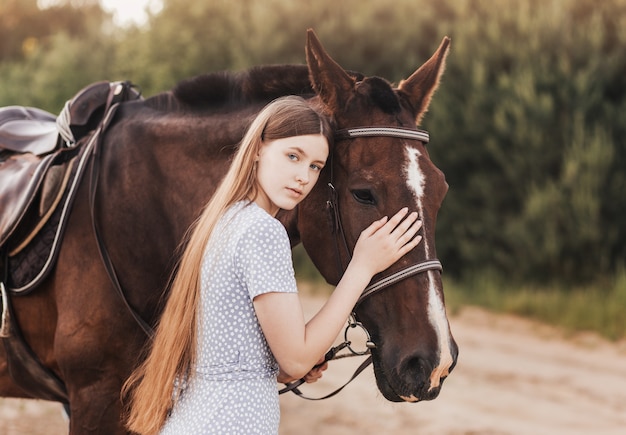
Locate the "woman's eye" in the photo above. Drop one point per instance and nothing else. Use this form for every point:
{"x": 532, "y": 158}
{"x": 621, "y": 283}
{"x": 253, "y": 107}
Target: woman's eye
{"x": 292, "y": 157}
{"x": 316, "y": 167}
{"x": 364, "y": 196}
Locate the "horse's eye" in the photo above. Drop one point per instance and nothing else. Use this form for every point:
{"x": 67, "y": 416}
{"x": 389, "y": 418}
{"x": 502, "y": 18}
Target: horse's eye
{"x": 364, "y": 196}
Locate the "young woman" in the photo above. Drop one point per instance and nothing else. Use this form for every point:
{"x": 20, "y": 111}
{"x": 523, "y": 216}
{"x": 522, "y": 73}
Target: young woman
{"x": 233, "y": 321}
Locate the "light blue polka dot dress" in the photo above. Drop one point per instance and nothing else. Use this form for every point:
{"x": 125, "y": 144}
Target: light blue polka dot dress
{"x": 232, "y": 390}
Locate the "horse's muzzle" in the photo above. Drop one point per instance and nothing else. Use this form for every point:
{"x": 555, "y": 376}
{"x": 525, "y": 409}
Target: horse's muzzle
{"x": 414, "y": 378}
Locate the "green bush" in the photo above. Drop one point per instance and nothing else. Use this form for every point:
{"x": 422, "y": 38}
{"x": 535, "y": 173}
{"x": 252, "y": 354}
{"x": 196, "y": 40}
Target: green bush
{"x": 528, "y": 125}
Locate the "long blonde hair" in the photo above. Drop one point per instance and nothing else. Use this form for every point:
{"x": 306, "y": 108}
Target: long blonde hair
{"x": 150, "y": 390}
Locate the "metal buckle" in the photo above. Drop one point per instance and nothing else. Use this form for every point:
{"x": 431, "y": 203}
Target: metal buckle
{"x": 352, "y": 325}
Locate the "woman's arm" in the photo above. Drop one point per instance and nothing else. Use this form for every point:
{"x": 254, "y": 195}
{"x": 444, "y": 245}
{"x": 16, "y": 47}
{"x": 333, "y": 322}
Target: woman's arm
{"x": 297, "y": 345}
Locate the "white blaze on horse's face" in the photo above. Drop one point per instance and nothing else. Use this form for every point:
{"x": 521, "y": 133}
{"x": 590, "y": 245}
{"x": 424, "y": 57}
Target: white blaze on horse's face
{"x": 416, "y": 182}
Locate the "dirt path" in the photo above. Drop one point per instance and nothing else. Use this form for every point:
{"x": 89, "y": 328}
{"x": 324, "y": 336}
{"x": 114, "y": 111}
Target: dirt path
{"x": 513, "y": 377}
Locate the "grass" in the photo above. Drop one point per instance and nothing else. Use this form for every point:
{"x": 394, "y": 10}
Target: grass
{"x": 599, "y": 308}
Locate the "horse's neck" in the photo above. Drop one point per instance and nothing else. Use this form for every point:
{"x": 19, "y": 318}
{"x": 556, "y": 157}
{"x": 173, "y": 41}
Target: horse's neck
{"x": 168, "y": 164}
{"x": 289, "y": 219}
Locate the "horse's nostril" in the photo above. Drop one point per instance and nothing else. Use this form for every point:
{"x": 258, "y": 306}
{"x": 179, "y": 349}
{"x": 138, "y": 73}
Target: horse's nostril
{"x": 420, "y": 364}
{"x": 421, "y": 379}
{"x": 416, "y": 372}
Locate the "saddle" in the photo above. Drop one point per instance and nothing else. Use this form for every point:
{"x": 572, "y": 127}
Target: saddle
{"x": 37, "y": 153}
{"x": 27, "y": 129}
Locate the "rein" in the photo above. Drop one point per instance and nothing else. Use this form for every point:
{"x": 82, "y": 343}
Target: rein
{"x": 117, "y": 95}
{"x": 337, "y": 228}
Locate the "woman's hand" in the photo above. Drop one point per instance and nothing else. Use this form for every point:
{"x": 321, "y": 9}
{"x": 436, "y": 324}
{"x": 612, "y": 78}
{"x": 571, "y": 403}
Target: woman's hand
{"x": 386, "y": 240}
{"x": 312, "y": 376}
{"x": 284, "y": 378}
{"x": 316, "y": 372}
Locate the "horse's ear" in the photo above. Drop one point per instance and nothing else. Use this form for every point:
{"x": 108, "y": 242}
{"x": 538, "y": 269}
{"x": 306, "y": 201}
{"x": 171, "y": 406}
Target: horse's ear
{"x": 421, "y": 86}
{"x": 329, "y": 80}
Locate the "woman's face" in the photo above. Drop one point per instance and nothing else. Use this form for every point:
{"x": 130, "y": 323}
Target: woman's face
{"x": 288, "y": 169}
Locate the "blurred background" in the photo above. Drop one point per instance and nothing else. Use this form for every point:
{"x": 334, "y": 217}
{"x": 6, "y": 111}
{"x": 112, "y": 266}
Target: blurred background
{"x": 529, "y": 123}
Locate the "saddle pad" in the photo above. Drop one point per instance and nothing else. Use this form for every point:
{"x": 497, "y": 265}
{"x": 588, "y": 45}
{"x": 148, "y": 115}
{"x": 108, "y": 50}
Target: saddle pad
{"x": 30, "y": 264}
{"x": 20, "y": 177}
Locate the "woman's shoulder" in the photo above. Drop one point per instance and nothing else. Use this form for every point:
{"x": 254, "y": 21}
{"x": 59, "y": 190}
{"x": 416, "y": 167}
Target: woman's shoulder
{"x": 254, "y": 222}
{"x": 248, "y": 213}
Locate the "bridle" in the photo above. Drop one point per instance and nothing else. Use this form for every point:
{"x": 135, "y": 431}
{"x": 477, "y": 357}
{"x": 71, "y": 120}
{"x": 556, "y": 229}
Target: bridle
{"x": 337, "y": 226}
{"x": 332, "y": 206}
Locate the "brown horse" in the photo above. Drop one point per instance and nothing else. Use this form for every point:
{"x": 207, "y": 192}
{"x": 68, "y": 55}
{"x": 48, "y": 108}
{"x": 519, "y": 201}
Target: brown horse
{"x": 161, "y": 159}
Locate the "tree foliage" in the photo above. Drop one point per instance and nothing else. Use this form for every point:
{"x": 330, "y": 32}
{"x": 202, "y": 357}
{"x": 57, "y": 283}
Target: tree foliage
{"x": 528, "y": 124}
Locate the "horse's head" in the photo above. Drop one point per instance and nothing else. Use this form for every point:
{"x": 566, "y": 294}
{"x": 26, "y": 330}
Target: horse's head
{"x": 376, "y": 175}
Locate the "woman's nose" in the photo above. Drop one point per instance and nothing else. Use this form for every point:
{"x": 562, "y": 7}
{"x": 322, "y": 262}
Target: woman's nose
{"x": 303, "y": 177}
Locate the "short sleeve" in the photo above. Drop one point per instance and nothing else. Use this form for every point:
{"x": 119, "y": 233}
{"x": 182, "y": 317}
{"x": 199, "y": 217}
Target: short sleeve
{"x": 263, "y": 259}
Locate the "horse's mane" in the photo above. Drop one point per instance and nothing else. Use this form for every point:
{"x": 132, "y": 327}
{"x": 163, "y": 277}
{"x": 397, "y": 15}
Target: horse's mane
{"x": 261, "y": 83}
{"x": 257, "y": 84}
